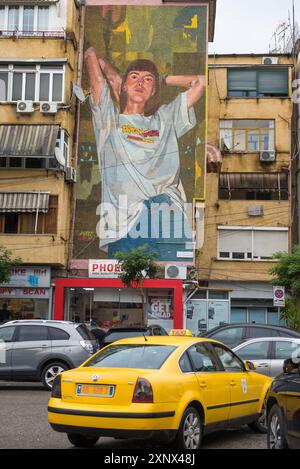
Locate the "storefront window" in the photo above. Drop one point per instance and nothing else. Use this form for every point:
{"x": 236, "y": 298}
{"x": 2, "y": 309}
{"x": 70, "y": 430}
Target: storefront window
{"x": 106, "y": 307}
{"x": 160, "y": 308}
{"x": 23, "y": 308}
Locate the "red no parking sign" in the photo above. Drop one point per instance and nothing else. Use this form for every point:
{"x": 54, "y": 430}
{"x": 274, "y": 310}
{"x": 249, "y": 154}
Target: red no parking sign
{"x": 279, "y": 296}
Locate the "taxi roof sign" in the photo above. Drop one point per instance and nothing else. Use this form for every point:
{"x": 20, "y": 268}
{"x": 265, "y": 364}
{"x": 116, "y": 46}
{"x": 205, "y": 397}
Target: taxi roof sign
{"x": 181, "y": 333}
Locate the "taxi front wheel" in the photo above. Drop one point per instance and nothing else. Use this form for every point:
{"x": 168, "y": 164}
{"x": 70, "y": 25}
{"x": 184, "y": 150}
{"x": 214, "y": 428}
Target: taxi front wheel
{"x": 190, "y": 431}
{"x": 81, "y": 441}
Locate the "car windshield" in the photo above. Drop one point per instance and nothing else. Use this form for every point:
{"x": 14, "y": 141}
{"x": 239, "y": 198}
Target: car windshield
{"x": 118, "y": 335}
{"x": 142, "y": 356}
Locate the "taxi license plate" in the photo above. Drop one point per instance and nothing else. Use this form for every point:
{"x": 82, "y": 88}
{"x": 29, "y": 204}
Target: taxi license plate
{"x": 95, "y": 390}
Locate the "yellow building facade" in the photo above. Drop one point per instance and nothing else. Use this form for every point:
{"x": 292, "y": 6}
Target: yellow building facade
{"x": 39, "y": 45}
{"x": 248, "y": 200}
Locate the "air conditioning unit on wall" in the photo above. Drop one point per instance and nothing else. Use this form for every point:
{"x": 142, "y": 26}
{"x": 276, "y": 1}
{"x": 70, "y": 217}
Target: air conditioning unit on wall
{"x": 270, "y": 60}
{"x": 267, "y": 156}
{"x": 71, "y": 174}
{"x": 25, "y": 107}
{"x": 175, "y": 272}
{"x": 48, "y": 108}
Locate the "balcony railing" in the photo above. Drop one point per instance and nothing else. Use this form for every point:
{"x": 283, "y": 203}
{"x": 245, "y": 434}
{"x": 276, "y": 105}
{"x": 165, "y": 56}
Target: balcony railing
{"x": 4, "y": 33}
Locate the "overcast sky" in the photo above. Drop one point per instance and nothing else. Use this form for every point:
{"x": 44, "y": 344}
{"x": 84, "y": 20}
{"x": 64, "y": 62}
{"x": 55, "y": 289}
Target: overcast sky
{"x": 247, "y": 26}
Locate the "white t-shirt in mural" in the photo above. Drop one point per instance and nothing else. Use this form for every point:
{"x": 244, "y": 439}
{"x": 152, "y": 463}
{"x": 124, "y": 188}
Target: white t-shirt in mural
{"x": 139, "y": 159}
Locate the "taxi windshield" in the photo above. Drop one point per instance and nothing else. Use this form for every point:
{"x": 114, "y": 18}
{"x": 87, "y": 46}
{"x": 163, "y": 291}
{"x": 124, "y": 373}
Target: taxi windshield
{"x": 150, "y": 357}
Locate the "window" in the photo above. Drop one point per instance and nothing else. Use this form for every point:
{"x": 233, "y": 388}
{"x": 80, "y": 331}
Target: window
{"x": 231, "y": 336}
{"x": 24, "y": 20}
{"x": 32, "y": 333}
{"x": 256, "y": 332}
{"x": 203, "y": 359}
{"x": 150, "y": 357}
{"x": 256, "y": 351}
{"x": 286, "y": 349}
{"x": 247, "y": 136}
{"x": 58, "y": 334}
{"x": 229, "y": 361}
{"x": 253, "y": 186}
{"x": 253, "y": 243}
{"x": 33, "y": 82}
{"x": 258, "y": 83}
{"x": 7, "y": 333}
{"x": 29, "y": 223}
{"x": 185, "y": 364}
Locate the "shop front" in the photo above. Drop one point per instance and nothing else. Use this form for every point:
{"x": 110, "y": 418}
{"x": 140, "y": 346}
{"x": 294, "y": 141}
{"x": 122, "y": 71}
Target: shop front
{"x": 107, "y": 302}
{"x": 27, "y": 295}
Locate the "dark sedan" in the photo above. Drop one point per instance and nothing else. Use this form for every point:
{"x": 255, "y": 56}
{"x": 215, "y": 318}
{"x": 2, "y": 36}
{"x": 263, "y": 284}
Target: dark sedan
{"x": 118, "y": 333}
{"x": 283, "y": 409}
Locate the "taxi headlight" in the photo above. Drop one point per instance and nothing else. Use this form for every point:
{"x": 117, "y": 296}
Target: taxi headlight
{"x": 56, "y": 388}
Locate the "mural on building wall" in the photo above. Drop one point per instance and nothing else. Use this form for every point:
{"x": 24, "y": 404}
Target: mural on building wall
{"x": 142, "y": 131}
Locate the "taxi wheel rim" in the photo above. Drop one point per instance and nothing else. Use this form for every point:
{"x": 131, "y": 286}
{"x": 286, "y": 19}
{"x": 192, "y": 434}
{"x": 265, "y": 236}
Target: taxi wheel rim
{"x": 191, "y": 431}
{"x": 263, "y": 417}
{"x": 275, "y": 433}
{"x": 51, "y": 373}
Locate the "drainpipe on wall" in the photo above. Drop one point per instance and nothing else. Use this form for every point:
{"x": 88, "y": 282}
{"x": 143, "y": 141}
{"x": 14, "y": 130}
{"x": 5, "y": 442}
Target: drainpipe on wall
{"x": 76, "y": 132}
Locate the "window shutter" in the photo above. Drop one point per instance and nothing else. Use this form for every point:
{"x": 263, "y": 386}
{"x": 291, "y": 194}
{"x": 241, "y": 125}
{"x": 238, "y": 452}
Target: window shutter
{"x": 235, "y": 241}
{"x": 241, "y": 80}
{"x": 273, "y": 82}
{"x": 267, "y": 243}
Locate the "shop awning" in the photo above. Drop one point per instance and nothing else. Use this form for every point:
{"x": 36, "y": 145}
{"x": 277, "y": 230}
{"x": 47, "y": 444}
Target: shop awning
{"x": 28, "y": 140}
{"x": 24, "y": 202}
{"x": 254, "y": 181}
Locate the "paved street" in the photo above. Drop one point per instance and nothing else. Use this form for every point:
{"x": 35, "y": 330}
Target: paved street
{"x": 23, "y": 417}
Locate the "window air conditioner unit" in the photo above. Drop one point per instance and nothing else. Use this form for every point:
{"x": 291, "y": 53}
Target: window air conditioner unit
{"x": 48, "y": 108}
{"x": 270, "y": 60}
{"x": 255, "y": 210}
{"x": 25, "y": 107}
{"x": 71, "y": 174}
{"x": 267, "y": 156}
{"x": 175, "y": 272}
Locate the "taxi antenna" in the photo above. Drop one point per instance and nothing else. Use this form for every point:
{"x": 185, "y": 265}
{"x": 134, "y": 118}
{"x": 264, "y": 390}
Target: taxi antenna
{"x": 146, "y": 340}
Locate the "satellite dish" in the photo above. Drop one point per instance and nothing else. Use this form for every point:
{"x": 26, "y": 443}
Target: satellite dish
{"x": 79, "y": 93}
{"x": 59, "y": 156}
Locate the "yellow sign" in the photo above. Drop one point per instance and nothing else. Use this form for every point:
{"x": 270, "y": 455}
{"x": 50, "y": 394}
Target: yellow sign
{"x": 181, "y": 332}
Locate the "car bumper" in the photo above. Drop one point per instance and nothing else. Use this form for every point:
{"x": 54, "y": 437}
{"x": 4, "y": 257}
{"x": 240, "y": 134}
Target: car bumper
{"x": 136, "y": 417}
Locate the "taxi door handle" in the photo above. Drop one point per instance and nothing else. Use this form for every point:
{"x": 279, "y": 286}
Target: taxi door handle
{"x": 233, "y": 383}
{"x": 203, "y": 384}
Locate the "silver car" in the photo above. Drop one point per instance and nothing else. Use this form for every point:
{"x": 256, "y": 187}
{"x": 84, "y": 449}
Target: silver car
{"x": 37, "y": 350}
{"x": 269, "y": 353}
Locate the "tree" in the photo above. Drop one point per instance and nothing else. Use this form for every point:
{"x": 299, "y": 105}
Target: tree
{"x": 137, "y": 265}
{"x": 286, "y": 273}
{"x": 6, "y": 264}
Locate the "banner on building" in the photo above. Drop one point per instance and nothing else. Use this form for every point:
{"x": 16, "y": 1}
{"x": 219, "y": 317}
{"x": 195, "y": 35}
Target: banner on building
{"x": 142, "y": 131}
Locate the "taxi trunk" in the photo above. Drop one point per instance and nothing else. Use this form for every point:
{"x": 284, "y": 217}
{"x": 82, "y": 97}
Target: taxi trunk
{"x": 101, "y": 387}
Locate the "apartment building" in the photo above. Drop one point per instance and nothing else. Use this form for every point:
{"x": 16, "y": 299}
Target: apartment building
{"x": 38, "y": 67}
{"x": 248, "y": 195}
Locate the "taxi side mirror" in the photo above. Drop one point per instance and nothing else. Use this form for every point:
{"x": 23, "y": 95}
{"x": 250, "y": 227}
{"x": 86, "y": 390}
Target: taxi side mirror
{"x": 250, "y": 366}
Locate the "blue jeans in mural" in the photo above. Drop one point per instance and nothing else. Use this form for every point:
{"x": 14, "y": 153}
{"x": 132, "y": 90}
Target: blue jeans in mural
{"x": 165, "y": 234}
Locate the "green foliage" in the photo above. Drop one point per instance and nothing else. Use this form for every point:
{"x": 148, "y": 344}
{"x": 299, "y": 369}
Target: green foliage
{"x": 6, "y": 263}
{"x": 287, "y": 272}
{"x": 137, "y": 265}
{"x": 290, "y": 314}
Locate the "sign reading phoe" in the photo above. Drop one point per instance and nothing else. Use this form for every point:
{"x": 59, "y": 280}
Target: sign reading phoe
{"x": 278, "y": 296}
{"x": 109, "y": 268}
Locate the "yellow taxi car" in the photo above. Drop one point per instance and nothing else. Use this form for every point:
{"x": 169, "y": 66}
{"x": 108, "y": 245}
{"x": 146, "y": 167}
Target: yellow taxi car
{"x": 174, "y": 388}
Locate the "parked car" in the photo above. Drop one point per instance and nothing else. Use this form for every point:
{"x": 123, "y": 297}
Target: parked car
{"x": 268, "y": 353}
{"x": 234, "y": 334}
{"x": 118, "y": 333}
{"x": 283, "y": 409}
{"x": 37, "y": 350}
{"x": 170, "y": 388}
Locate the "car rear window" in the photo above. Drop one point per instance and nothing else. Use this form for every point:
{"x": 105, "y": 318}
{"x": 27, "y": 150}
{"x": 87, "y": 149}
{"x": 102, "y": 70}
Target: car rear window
{"x": 85, "y": 333}
{"x": 150, "y": 357}
{"x": 58, "y": 334}
{"x": 114, "y": 336}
